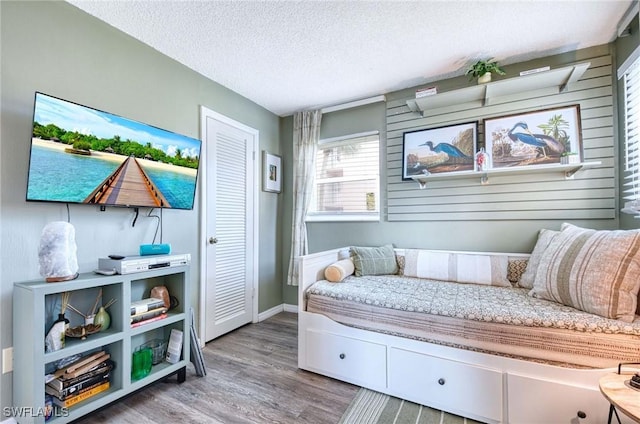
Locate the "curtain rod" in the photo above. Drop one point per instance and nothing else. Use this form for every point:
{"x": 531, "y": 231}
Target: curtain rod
{"x": 355, "y": 103}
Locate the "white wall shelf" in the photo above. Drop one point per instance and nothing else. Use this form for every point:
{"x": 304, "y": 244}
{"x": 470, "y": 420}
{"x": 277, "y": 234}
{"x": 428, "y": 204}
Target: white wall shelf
{"x": 568, "y": 170}
{"x": 485, "y": 94}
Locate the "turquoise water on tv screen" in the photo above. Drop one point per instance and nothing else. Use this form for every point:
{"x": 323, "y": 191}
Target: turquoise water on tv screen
{"x": 177, "y": 188}
{"x": 62, "y": 177}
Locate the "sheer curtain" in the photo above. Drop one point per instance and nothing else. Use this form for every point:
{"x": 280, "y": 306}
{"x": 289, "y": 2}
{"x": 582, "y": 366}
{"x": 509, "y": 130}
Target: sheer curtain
{"x": 306, "y": 133}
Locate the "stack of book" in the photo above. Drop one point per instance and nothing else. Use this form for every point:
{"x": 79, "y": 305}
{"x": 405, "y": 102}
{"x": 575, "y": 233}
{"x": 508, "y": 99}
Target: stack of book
{"x": 81, "y": 380}
{"x": 147, "y": 310}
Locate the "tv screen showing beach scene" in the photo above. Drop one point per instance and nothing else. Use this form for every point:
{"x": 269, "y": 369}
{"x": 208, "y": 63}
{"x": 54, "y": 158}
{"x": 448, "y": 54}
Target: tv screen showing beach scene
{"x": 84, "y": 155}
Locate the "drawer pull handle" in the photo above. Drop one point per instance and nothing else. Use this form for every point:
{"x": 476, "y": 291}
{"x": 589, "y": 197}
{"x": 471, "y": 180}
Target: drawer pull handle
{"x": 342, "y": 356}
{"x": 441, "y": 381}
{"x": 581, "y": 414}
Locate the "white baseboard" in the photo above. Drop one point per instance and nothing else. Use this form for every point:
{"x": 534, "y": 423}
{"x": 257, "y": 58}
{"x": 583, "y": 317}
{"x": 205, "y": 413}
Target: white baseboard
{"x": 274, "y": 311}
{"x": 291, "y": 308}
{"x": 270, "y": 312}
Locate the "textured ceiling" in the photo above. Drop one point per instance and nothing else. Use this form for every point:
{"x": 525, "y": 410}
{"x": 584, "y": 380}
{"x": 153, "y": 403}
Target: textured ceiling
{"x": 294, "y": 55}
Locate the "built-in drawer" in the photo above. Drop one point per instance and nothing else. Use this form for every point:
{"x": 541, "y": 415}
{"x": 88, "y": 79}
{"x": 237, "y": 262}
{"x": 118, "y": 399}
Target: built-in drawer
{"x": 459, "y": 388}
{"x": 536, "y": 401}
{"x": 352, "y": 360}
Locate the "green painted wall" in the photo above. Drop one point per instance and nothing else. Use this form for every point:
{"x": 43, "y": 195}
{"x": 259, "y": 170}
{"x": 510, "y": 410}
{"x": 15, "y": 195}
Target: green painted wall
{"x": 498, "y": 236}
{"x": 58, "y": 49}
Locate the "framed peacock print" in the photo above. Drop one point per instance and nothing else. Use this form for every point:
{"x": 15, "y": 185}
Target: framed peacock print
{"x": 534, "y": 138}
{"x": 439, "y": 150}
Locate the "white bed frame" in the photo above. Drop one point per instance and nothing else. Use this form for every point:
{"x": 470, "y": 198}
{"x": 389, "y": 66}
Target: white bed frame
{"x": 485, "y": 387}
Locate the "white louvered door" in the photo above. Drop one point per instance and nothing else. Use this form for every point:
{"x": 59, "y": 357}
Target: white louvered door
{"x": 230, "y": 226}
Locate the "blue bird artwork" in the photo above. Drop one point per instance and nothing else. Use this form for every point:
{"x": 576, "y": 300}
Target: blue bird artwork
{"x": 543, "y": 143}
{"x": 451, "y": 150}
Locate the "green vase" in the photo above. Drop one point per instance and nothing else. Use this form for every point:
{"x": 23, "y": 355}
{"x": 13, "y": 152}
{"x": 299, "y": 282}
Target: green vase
{"x": 102, "y": 317}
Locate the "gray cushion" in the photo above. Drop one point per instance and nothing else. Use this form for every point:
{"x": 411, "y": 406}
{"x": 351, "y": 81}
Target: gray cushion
{"x": 529, "y": 276}
{"x": 374, "y": 260}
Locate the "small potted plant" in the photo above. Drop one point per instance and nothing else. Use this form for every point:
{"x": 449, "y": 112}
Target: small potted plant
{"x": 483, "y": 69}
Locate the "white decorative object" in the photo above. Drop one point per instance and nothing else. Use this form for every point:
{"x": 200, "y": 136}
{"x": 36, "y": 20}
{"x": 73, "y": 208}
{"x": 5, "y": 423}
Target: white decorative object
{"x": 57, "y": 252}
{"x": 55, "y": 337}
{"x": 569, "y": 158}
{"x": 424, "y": 92}
{"x": 534, "y": 71}
{"x": 482, "y": 160}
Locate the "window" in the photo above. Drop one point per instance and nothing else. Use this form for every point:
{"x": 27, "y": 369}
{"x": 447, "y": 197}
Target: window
{"x": 347, "y": 182}
{"x": 631, "y": 191}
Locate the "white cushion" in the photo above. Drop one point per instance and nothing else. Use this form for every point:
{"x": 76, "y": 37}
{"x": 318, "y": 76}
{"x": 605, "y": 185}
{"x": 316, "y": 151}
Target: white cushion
{"x": 457, "y": 267}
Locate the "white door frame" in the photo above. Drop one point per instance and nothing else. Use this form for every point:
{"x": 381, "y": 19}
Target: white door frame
{"x": 204, "y": 114}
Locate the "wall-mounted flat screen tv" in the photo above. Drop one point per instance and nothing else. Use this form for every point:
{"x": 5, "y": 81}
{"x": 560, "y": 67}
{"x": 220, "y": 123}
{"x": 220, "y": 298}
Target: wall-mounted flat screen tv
{"x": 84, "y": 155}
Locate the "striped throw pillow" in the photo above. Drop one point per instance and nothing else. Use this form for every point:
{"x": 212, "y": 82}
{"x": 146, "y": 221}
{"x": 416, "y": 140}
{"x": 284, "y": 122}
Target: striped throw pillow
{"x": 457, "y": 267}
{"x": 529, "y": 276}
{"x": 593, "y": 271}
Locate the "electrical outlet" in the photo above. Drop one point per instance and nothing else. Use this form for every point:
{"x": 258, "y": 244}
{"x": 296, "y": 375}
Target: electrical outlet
{"x": 7, "y": 360}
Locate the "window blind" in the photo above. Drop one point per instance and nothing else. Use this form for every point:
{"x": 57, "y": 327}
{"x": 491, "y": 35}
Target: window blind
{"x": 631, "y": 190}
{"x": 347, "y": 180}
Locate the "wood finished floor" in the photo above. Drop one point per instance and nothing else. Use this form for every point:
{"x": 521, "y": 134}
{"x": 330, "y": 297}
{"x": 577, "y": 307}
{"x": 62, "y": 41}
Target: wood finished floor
{"x": 252, "y": 377}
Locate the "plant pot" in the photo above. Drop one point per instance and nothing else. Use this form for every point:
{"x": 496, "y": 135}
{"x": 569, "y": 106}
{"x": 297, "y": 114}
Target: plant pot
{"x": 484, "y": 78}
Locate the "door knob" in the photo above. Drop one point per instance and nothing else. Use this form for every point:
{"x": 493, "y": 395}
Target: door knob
{"x": 213, "y": 240}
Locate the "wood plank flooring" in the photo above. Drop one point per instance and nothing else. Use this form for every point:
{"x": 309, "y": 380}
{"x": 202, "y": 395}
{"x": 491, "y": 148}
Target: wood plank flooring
{"x": 252, "y": 377}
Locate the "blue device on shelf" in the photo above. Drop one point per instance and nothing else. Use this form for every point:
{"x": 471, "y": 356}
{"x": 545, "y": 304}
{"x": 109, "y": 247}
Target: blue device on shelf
{"x": 155, "y": 249}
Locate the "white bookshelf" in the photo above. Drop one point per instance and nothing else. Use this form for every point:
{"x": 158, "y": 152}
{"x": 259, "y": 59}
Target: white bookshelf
{"x": 36, "y": 306}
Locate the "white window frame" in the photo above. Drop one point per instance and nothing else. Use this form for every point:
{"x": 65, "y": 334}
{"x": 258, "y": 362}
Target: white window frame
{"x": 347, "y": 217}
{"x": 629, "y": 72}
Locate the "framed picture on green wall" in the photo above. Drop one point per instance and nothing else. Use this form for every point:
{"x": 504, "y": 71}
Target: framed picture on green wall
{"x": 271, "y": 172}
{"x": 538, "y": 137}
{"x": 439, "y": 150}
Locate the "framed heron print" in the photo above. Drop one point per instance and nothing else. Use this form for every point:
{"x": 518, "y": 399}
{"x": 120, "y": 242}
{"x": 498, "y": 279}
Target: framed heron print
{"x": 534, "y": 138}
{"x": 439, "y": 150}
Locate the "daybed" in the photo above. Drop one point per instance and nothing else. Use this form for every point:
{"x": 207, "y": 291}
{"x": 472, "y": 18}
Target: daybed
{"x": 493, "y": 351}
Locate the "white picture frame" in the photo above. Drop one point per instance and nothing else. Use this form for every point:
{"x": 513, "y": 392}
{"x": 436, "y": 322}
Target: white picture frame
{"x": 271, "y": 172}
{"x": 559, "y": 127}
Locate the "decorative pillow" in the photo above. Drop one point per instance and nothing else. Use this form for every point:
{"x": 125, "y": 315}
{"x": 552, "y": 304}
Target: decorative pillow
{"x": 337, "y": 271}
{"x": 374, "y": 260}
{"x": 457, "y": 267}
{"x": 515, "y": 269}
{"x": 594, "y": 271}
{"x": 400, "y": 261}
{"x": 482, "y": 269}
{"x": 426, "y": 264}
{"x": 544, "y": 238}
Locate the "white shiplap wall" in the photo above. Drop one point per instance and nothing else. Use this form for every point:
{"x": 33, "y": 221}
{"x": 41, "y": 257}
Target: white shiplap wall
{"x": 591, "y": 194}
